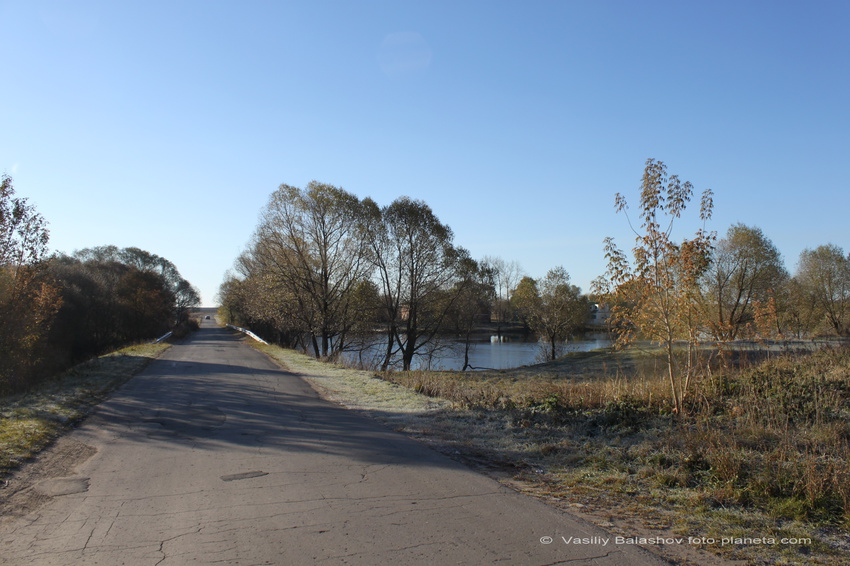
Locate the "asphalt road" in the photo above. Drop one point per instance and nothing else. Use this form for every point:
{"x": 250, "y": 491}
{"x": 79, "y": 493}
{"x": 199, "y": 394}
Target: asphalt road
{"x": 214, "y": 455}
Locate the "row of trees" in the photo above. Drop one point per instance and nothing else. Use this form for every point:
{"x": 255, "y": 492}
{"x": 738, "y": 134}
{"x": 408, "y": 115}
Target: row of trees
{"x": 752, "y": 295}
{"x": 695, "y": 289}
{"x": 111, "y": 297}
{"x": 326, "y": 271}
{"x": 57, "y": 310}
{"x": 324, "y": 268}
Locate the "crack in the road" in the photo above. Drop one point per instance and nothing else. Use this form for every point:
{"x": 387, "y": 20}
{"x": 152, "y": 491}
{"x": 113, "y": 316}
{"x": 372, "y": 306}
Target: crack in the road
{"x": 88, "y": 539}
{"x": 163, "y": 542}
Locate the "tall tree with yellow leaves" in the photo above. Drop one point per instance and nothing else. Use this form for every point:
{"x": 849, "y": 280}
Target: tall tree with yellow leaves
{"x": 655, "y": 293}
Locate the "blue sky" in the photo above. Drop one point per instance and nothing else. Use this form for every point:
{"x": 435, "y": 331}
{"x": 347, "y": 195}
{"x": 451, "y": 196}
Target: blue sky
{"x": 166, "y": 125}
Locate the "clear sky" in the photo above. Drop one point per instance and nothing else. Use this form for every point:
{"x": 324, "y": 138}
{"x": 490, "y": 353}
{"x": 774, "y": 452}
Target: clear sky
{"x": 166, "y": 125}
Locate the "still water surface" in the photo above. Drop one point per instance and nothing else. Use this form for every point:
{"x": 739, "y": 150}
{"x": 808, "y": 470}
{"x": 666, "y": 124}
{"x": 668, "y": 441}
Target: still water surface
{"x": 491, "y": 354}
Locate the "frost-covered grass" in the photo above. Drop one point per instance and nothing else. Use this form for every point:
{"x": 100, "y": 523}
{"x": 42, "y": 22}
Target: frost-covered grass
{"x": 362, "y": 390}
{"x": 762, "y": 452}
{"x": 31, "y": 421}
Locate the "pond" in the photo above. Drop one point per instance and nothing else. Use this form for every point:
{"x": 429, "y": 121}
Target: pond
{"x": 483, "y": 354}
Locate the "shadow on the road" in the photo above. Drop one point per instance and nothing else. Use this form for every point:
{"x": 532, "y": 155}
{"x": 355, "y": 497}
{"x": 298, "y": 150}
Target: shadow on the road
{"x": 205, "y": 405}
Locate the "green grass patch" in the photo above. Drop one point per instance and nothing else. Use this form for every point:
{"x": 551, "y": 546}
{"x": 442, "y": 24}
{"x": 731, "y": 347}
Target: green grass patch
{"x": 31, "y": 421}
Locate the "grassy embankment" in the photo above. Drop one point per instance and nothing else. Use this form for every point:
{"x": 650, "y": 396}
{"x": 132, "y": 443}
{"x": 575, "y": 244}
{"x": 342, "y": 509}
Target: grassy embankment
{"x": 763, "y": 453}
{"x": 31, "y": 421}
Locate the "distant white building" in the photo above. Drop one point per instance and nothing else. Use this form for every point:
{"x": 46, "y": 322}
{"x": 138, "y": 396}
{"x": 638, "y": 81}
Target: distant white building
{"x": 599, "y": 315}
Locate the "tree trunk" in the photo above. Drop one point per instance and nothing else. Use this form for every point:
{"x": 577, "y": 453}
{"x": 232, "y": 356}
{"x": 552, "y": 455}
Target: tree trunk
{"x": 408, "y": 352}
{"x": 389, "y": 353}
{"x": 677, "y": 402}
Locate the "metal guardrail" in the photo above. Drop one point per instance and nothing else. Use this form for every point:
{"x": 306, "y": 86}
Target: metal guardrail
{"x": 161, "y": 338}
{"x": 248, "y": 333}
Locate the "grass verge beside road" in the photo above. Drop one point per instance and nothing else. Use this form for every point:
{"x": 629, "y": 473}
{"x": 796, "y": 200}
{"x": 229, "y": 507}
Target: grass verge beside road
{"x": 757, "y": 472}
{"x": 31, "y": 421}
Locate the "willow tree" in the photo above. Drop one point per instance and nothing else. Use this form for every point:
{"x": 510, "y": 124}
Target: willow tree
{"x": 420, "y": 273}
{"x": 314, "y": 241}
{"x": 655, "y": 294}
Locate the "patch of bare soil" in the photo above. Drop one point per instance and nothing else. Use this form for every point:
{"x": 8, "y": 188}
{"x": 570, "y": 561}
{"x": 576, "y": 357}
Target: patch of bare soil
{"x": 19, "y": 495}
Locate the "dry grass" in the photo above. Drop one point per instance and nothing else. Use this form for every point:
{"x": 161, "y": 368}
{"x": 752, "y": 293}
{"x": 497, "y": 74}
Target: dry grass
{"x": 763, "y": 452}
{"x": 31, "y": 421}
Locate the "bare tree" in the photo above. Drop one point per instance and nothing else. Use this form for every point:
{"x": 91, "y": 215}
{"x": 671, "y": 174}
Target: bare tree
{"x": 506, "y": 277}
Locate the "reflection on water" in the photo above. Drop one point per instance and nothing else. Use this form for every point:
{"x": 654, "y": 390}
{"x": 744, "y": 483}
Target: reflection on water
{"x": 492, "y": 354}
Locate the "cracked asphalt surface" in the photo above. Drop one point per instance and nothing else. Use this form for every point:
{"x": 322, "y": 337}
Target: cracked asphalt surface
{"x": 214, "y": 455}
